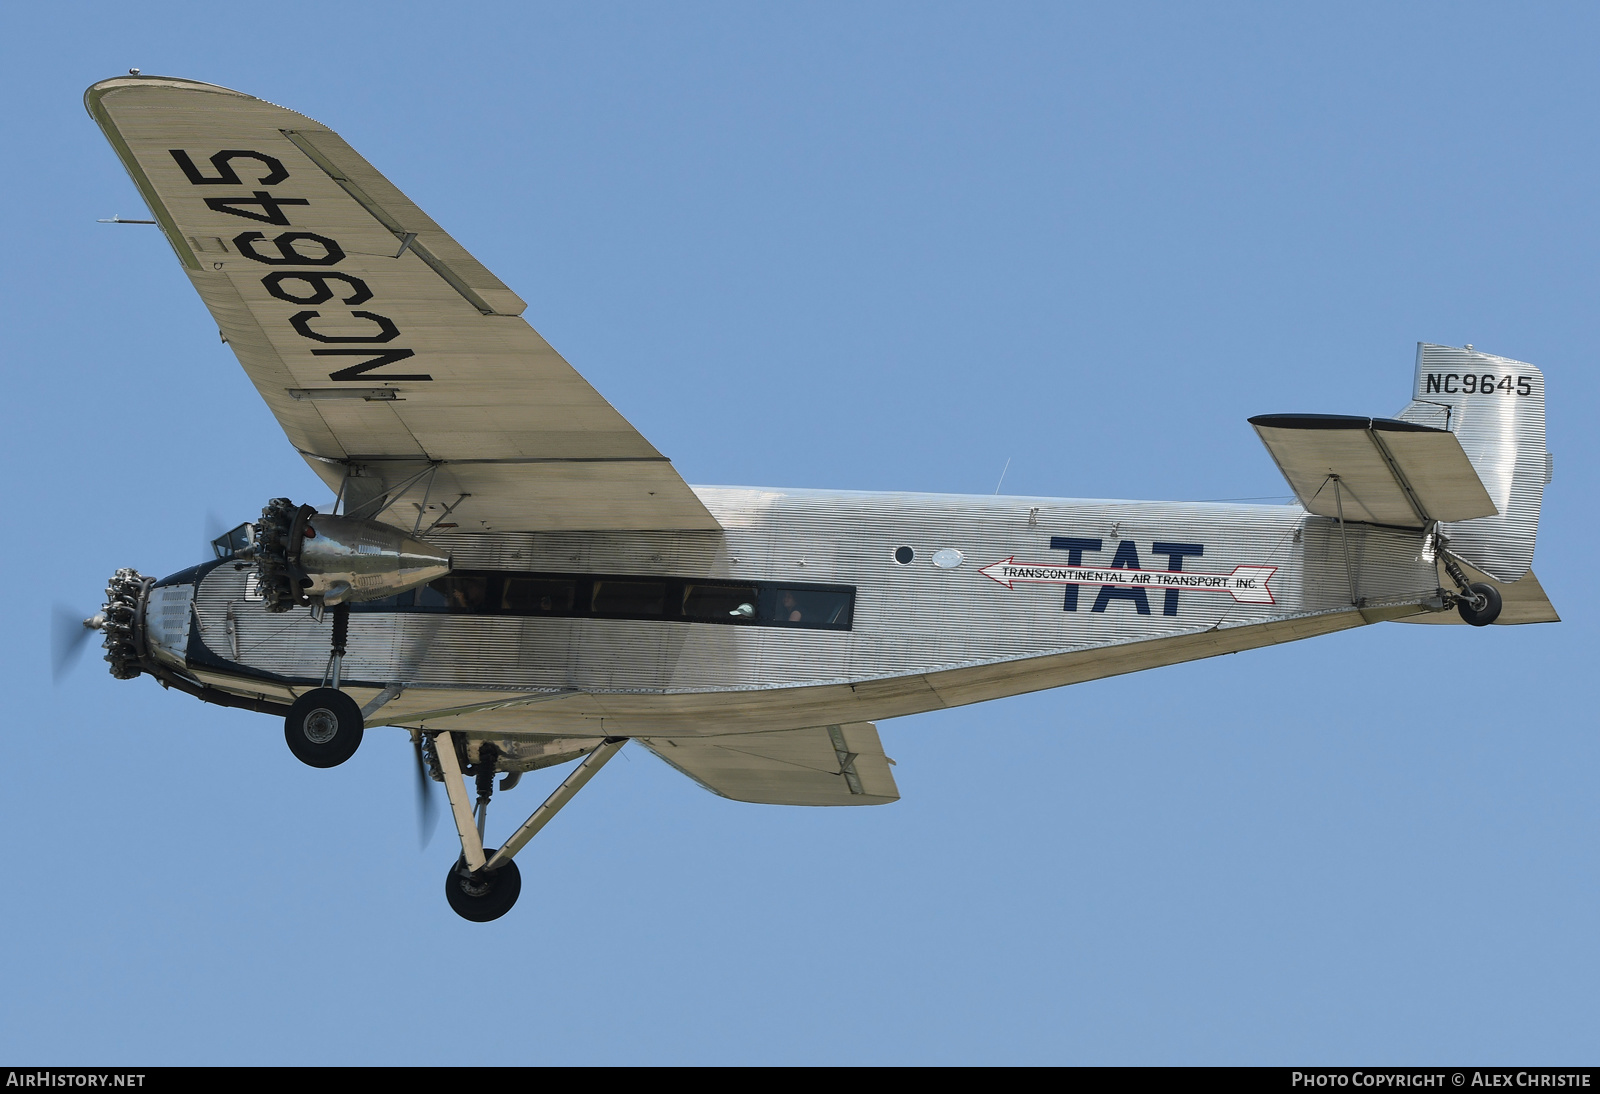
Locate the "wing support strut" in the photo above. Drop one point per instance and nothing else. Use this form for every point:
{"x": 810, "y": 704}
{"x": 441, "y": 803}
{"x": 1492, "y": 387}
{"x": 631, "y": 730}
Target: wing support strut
{"x": 586, "y": 770}
{"x": 462, "y": 811}
{"x": 456, "y": 790}
{"x": 1349, "y": 574}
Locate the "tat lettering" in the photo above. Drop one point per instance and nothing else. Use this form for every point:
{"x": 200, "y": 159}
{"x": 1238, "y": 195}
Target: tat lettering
{"x": 1125, "y": 558}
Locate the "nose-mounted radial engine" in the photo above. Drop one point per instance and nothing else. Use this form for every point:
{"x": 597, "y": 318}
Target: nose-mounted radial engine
{"x": 303, "y": 558}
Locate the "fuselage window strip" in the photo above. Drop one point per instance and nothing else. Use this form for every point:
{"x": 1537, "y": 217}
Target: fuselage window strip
{"x": 650, "y": 597}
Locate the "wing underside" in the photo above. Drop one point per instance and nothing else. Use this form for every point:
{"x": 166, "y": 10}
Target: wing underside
{"x": 396, "y": 363}
{"x": 822, "y": 765}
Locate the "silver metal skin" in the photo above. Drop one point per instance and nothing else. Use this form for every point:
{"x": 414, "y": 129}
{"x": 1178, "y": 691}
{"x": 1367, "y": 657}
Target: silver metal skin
{"x": 981, "y": 610}
{"x": 923, "y": 637}
{"x": 351, "y": 560}
{"x": 167, "y": 613}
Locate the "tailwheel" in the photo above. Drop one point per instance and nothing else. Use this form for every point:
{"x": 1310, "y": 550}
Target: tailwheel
{"x": 323, "y": 728}
{"x": 1479, "y": 604}
{"x": 485, "y": 894}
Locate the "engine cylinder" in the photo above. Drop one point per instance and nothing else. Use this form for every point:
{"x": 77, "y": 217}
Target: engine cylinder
{"x": 122, "y": 622}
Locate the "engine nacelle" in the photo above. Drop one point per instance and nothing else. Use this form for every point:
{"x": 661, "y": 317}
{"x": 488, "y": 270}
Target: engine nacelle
{"x": 306, "y": 557}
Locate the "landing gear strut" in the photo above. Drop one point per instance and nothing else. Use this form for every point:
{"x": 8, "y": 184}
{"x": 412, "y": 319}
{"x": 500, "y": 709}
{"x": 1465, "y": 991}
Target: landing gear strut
{"x": 484, "y": 883}
{"x": 1479, "y": 603}
{"x": 324, "y": 726}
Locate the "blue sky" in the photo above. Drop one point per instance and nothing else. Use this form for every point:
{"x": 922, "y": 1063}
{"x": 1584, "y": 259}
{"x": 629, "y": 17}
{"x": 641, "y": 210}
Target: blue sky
{"x": 1088, "y": 239}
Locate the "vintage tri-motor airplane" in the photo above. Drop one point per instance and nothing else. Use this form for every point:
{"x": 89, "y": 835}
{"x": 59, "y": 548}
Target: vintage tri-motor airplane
{"x": 517, "y": 577}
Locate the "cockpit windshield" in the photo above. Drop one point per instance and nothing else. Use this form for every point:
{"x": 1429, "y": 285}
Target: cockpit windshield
{"x": 233, "y": 543}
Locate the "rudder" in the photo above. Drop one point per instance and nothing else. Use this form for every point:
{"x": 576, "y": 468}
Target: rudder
{"x": 1495, "y": 407}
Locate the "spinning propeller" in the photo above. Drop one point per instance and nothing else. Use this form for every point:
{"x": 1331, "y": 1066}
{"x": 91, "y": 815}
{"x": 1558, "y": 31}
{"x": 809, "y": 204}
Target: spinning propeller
{"x": 69, "y": 633}
{"x": 214, "y": 529}
{"x": 427, "y": 812}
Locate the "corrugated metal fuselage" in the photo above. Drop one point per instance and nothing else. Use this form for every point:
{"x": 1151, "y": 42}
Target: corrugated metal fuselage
{"x": 924, "y": 636}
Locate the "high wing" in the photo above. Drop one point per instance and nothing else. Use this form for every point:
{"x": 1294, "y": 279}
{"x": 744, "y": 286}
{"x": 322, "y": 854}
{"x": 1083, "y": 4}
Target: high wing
{"x": 823, "y": 765}
{"x": 1387, "y": 472}
{"x": 396, "y": 363}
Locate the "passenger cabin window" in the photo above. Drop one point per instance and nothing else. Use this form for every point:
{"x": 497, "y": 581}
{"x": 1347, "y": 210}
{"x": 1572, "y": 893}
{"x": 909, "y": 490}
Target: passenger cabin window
{"x": 536, "y": 595}
{"x": 808, "y": 607}
{"x": 608, "y": 596}
{"x": 629, "y": 598}
{"x": 720, "y": 603}
{"x": 463, "y": 593}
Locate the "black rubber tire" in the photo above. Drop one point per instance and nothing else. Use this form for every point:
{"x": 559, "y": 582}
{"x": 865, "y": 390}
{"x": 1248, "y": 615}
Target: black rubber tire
{"x": 323, "y": 728}
{"x": 1481, "y": 617}
{"x": 486, "y": 897}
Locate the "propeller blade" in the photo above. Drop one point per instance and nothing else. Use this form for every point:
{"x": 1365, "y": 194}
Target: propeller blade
{"x": 214, "y": 529}
{"x": 427, "y": 814}
{"x": 69, "y": 634}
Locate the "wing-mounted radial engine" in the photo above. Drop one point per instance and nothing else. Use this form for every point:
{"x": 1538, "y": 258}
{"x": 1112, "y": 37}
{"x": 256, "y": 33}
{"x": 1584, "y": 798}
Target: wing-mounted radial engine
{"x": 304, "y": 557}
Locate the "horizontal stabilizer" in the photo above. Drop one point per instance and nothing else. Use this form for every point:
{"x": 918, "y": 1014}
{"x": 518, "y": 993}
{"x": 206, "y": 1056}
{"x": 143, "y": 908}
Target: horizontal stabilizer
{"x": 1377, "y": 470}
{"x": 1521, "y": 601}
{"x": 822, "y": 765}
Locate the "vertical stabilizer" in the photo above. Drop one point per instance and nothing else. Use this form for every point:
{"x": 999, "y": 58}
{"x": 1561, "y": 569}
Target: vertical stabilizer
{"x": 1495, "y": 407}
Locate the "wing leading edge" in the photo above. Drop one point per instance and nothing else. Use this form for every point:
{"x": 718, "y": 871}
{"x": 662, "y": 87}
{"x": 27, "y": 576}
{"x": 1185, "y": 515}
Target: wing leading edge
{"x": 396, "y": 363}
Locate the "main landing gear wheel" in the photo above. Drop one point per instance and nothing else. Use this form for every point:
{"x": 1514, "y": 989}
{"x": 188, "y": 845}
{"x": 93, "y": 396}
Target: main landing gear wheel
{"x": 323, "y": 728}
{"x": 1486, "y": 609}
{"x": 482, "y": 896}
